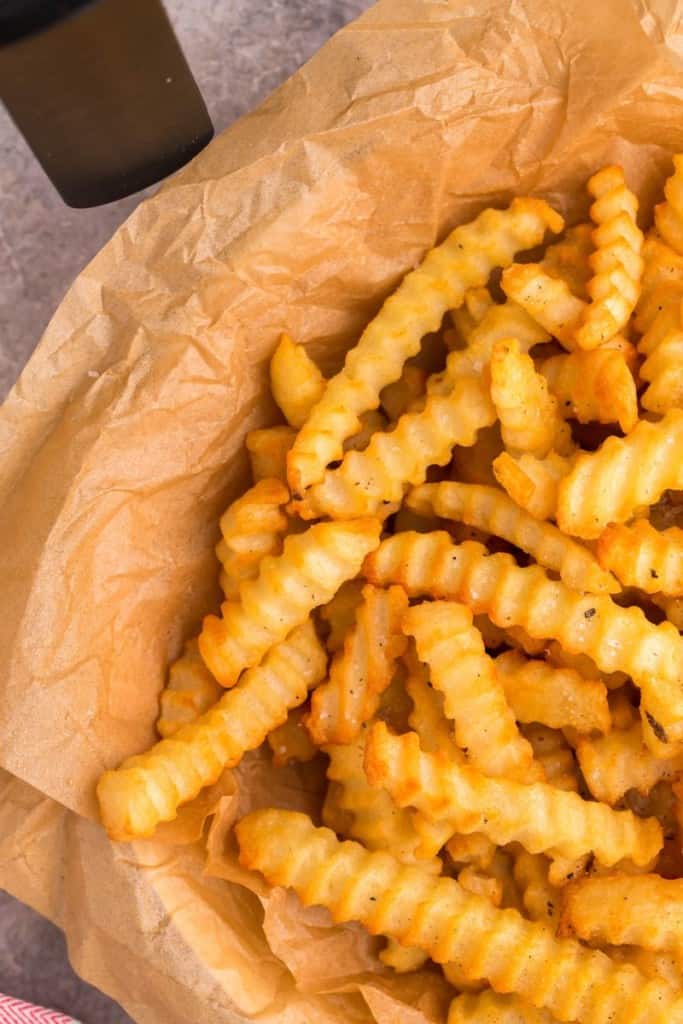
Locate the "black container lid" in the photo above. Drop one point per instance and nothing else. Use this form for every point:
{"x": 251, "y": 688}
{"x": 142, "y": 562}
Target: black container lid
{"x": 102, "y": 93}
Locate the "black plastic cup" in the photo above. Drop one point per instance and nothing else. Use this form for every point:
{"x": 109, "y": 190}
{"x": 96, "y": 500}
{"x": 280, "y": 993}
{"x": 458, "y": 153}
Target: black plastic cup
{"x": 102, "y": 93}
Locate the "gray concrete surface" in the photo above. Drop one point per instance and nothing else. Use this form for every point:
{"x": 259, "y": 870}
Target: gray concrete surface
{"x": 239, "y": 50}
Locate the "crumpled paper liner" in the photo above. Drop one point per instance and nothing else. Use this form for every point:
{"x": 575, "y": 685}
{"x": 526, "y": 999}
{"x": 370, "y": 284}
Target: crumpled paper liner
{"x": 122, "y": 442}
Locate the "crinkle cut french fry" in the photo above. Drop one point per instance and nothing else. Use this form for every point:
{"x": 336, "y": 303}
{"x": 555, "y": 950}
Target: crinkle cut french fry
{"x": 481, "y": 884}
{"x": 251, "y": 527}
{"x": 559, "y": 698}
{"x": 539, "y": 816}
{"x": 373, "y": 818}
{"x": 403, "y": 959}
{"x": 464, "y": 260}
{"x": 669, "y": 214}
{"x": 555, "y": 756}
{"x": 312, "y": 567}
{"x": 490, "y": 1008}
{"x": 476, "y": 849}
{"x": 616, "y": 263}
{"x": 504, "y": 320}
{"x": 541, "y": 900}
{"x": 615, "y": 638}
{"x": 662, "y": 265}
{"x": 595, "y": 386}
{"x": 474, "y": 699}
{"x": 533, "y": 483}
{"x": 340, "y": 613}
{"x": 643, "y": 557}
{"x": 568, "y": 258}
{"x": 290, "y": 741}
{"x": 608, "y": 485}
{"x": 295, "y": 381}
{"x": 267, "y": 450}
{"x": 451, "y": 925}
{"x": 149, "y": 788}
{"x": 191, "y": 690}
{"x": 638, "y": 910}
{"x": 476, "y": 304}
{"x": 491, "y": 510}
{"x": 529, "y": 416}
{"x": 398, "y": 397}
{"x": 371, "y": 481}
{"x": 585, "y": 666}
{"x": 427, "y": 716}
{"x": 620, "y": 761}
{"x": 663, "y": 373}
{"x": 658, "y": 966}
{"x": 546, "y": 298}
{"x": 362, "y": 670}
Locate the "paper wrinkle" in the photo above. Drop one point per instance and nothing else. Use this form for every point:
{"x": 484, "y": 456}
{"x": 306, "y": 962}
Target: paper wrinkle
{"x": 122, "y": 442}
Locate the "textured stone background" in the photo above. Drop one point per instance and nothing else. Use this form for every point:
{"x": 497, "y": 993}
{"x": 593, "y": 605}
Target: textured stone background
{"x": 239, "y": 51}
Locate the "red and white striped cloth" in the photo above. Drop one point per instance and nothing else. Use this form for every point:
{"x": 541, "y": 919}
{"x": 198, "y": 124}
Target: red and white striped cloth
{"x": 15, "y": 1011}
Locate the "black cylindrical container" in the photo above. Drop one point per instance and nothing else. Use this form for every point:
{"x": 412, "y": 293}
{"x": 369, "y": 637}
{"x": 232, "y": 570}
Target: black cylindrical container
{"x": 102, "y": 93}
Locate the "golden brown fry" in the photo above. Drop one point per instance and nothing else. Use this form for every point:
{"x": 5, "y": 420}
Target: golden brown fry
{"x": 608, "y": 485}
{"x": 541, "y": 900}
{"x": 427, "y": 717}
{"x": 546, "y": 298}
{"x": 644, "y": 557}
{"x": 340, "y": 613}
{"x": 662, "y": 265}
{"x": 372, "y": 481}
{"x": 403, "y": 959}
{"x": 267, "y": 450}
{"x": 476, "y": 304}
{"x": 615, "y": 638}
{"x": 481, "y": 884}
{"x": 568, "y": 258}
{"x": 490, "y": 1008}
{"x": 149, "y": 788}
{"x": 191, "y": 690}
{"x": 663, "y": 373}
{"x": 556, "y": 697}
{"x": 362, "y": 670}
{"x": 312, "y": 567}
{"x": 507, "y": 320}
{"x": 585, "y": 666}
{"x": 639, "y": 910}
{"x": 555, "y": 756}
{"x": 295, "y": 381}
{"x": 669, "y": 214}
{"x": 397, "y": 398}
{"x": 464, "y": 260}
{"x": 617, "y": 263}
{"x": 539, "y": 816}
{"x": 491, "y": 510}
{"x": 658, "y": 966}
{"x": 371, "y": 815}
{"x": 620, "y": 761}
{"x": 474, "y": 700}
{"x": 595, "y": 386}
{"x": 290, "y": 741}
{"x": 533, "y": 483}
{"x": 438, "y": 916}
{"x": 251, "y": 527}
{"x": 476, "y": 849}
{"x": 529, "y": 415}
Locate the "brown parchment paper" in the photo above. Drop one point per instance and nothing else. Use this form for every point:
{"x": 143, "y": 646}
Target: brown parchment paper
{"x": 122, "y": 442}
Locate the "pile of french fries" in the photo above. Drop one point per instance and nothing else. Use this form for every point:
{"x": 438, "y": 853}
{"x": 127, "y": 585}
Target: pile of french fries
{"x": 459, "y": 575}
